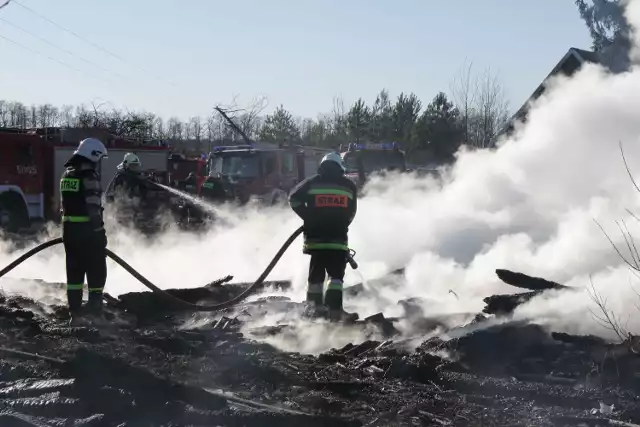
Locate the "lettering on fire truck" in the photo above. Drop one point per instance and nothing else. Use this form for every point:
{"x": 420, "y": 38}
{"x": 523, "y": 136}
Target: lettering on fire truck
{"x": 26, "y": 170}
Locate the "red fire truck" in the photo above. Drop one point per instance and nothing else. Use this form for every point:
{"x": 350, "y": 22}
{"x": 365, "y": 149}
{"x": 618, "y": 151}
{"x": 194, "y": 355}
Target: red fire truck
{"x": 181, "y": 166}
{"x": 31, "y": 163}
{"x": 362, "y": 160}
{"x": 244, "y": 172}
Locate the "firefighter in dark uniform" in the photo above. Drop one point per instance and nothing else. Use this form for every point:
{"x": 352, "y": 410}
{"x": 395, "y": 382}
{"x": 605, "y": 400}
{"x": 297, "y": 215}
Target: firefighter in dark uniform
{"x": 327, "y": 203}
{"x": 132, "y": 193}
{"x": 128, "y": 179}
{"x": 83, "y": 232}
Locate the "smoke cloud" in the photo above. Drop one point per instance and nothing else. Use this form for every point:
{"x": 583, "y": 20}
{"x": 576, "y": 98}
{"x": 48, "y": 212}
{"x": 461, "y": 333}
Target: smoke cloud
{"x": 528, "y": 206}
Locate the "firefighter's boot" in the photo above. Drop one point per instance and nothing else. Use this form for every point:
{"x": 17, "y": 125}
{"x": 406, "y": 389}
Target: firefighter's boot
{"x": 333, "y": 297}
{"x": 314, "y": 294}
{"x": 95, "y": 314}
{"x": 94, "y": 305}
{"x": 74, "y": 297}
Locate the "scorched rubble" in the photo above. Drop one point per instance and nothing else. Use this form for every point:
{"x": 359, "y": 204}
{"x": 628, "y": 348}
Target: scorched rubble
{"x": 145, "y": 370}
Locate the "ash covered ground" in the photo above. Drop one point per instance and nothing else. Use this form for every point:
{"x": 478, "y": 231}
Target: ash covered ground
{"x": 154, "y": 367}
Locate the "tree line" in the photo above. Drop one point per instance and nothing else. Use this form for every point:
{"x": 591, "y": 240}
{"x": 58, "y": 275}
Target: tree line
{"x": 473, "y": 113}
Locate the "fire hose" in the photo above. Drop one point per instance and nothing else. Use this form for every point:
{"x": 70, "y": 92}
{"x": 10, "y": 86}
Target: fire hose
{"x": 181, "y": 304}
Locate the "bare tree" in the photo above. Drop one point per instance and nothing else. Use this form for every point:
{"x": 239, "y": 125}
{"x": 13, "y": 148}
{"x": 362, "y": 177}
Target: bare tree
{"x": 482, "y": 103}
{"x": 174, "y": 128}
{"x": 97, "y": 115}
{"x": 247, "y": 120}
{"x": 464, "y": 88}
{"x": 158, "y": 129}
{"x": 491, "y": 110}
{"x": 66, "y": 116}
{"x": 47, "y": 115}
{"x": 339, "y": 118}
{"x": 607, "y": 317}
{"x": 4, "y": 114}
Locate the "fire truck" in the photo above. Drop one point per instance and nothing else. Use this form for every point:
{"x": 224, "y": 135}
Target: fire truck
{"x": 32, "y": 161}
{"x": 181, "y": 166}
{"x": 362, "y": 160}
{"x": 244, "y": 172}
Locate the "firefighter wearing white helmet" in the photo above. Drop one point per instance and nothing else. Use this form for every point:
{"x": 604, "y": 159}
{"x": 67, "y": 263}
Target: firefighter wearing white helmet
{"x": 128, "y": 181}
{"x": 83, "y": 230}
{"x": 327, "y": 203}
{"x": 130, "y": 162}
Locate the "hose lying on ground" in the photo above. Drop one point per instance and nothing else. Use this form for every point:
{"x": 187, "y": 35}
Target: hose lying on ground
{"x": 177, "y": 301}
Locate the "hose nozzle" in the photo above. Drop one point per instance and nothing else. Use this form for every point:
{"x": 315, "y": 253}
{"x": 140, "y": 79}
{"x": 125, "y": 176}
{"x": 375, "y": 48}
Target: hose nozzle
{"x": 352, "y": 262}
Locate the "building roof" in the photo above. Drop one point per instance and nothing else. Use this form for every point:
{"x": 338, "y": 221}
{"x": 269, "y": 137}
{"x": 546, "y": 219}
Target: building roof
{"x": 568, "y": 65}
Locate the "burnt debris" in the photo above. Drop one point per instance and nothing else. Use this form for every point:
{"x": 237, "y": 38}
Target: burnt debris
{"x": 187, "y": 369}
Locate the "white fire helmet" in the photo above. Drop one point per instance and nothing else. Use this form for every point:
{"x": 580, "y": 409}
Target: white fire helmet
{"x": 91, "y": 149}
{"x": 334, "y": 157}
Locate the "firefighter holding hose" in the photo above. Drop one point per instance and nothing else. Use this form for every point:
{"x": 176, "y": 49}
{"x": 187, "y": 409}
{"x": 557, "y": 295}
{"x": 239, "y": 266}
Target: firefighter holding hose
{"x": 131, "y": 193}
{"x": 83, "y": 232}
{"x": 128, "y": 179}
{"x": 327, "y": 203}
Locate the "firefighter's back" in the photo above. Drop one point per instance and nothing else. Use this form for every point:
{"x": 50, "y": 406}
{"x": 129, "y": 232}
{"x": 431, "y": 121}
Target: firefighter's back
{"x": 332, "y": 200}
{"x": 73, "y": 192}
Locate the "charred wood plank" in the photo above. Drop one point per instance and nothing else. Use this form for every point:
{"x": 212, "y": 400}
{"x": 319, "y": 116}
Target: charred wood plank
{"x": 521, "y": 280}
{"x": 505, "y": 304}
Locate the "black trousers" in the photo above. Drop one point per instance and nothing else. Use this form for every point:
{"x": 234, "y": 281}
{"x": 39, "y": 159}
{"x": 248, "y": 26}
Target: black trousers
{"x": 332, "y": 263}
{"x": 85, "y": 256}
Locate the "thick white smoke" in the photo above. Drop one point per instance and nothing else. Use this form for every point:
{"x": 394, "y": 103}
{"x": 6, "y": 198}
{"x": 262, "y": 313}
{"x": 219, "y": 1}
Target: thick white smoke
{"x": 528, "y": 206}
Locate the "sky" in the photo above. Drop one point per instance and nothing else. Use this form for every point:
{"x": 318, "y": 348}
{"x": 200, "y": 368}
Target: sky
{"x": 182, "y": 57}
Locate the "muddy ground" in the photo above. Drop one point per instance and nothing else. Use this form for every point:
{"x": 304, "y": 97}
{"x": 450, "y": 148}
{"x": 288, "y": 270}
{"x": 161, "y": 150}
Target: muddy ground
{"x": 152, "y": 370}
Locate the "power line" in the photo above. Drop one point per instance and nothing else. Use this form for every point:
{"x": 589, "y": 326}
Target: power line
{"x": 5, "y": 4}
{"x": 46, "y": 56}
{"x": 59, "y": 48}
{"x": 64, "y": 63}
{"x": 59, "y": 61}
{"x": 91, "y": 43}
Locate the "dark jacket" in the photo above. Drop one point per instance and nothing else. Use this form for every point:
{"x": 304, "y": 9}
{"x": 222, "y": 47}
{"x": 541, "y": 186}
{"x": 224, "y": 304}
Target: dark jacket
{"x": 327, "y": 203}
{"x": 128, "y": 184}
{"x": 81, "y": 195}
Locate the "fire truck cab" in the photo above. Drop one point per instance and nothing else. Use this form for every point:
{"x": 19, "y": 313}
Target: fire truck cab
{"x": 362, "y": 160}
{"x": 245, "y": 173}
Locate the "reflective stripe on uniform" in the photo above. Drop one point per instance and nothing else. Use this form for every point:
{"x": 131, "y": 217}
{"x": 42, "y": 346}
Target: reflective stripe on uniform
{"x": 332, "y": 246}
{"x": 74, "y": 287}
{"x": 315, "y": 288}
{"x": 70, "y": 218}
{"x": 96, "y": 289}
{"x": 331, "y": 192}
{"x": 334, "y": 285}
{"x": 294, "y": 203}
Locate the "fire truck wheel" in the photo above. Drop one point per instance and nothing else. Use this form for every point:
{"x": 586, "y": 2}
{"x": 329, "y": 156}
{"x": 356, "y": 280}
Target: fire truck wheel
{"x": 13, "y": 212}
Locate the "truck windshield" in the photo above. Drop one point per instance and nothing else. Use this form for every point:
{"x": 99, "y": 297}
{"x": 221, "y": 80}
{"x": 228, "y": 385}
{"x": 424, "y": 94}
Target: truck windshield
{"x": 237, "y": 165}
{"x": 374, "y": 160}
